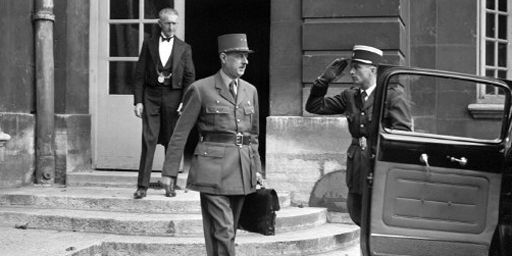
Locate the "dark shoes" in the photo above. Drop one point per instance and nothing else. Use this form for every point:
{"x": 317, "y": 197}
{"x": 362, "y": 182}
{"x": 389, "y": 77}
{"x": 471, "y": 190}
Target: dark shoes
{"x": 140, "y": 193}
{"x": 170, "y": 189}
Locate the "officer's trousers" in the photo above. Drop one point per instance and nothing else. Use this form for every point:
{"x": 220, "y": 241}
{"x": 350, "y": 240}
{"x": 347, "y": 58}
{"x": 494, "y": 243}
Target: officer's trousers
{"x": 354, "y": 205}
{"x": 220, "y": 221}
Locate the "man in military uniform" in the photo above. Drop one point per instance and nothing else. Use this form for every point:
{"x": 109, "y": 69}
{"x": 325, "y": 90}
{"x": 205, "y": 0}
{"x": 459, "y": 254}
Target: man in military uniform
{"x": 357, "y": 105}
{"x": 224, "y": 167}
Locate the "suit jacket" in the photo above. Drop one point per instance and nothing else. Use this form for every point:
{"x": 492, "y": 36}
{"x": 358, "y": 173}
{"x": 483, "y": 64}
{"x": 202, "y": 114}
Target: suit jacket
{"x": 218, "y": 168}
{"x": 183, "y": 71}
{"x": 349, "y": 102}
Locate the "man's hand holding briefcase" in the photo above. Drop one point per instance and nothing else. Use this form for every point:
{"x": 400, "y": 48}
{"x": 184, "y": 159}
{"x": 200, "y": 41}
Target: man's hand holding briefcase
{"x": 258, "y": 213}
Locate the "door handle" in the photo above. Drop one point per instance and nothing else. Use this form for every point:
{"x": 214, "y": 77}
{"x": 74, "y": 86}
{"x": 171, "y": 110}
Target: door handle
{"x": 462, "y": 161}
{"x": 424, "y": 159}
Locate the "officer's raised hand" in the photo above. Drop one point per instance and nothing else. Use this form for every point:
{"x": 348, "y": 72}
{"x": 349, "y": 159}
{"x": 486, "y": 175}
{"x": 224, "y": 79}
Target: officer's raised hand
{"x": 333, "y": 70}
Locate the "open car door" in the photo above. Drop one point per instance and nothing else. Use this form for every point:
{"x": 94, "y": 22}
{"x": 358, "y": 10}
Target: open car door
{"x": 435, "y": 186}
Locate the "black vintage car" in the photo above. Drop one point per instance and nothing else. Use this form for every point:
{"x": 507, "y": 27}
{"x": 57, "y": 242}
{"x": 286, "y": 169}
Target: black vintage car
{"x": 443, "y": 188}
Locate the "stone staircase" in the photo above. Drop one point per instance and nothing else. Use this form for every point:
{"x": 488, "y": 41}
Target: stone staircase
{"x": 95, "y": 215}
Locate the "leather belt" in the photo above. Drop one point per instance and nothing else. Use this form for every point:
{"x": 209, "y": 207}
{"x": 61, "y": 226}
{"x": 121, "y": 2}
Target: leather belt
{"x": 362, "y": 142}
{"x": 237, "y": 139}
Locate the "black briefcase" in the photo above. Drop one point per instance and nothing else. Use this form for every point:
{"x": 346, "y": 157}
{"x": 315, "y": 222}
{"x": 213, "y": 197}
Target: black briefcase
{"x": 259, "y": 212}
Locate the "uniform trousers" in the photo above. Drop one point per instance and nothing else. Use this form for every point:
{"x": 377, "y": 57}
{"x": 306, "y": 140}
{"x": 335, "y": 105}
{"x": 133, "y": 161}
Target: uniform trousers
{"x": 357, "y": 165}
{"x": 158, "y": 121}
{"x": 354, "y": 205}
{"x": 220, "y": 220}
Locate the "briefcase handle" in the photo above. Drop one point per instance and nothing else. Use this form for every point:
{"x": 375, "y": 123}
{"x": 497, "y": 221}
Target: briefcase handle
{"x": 259, "y": 181}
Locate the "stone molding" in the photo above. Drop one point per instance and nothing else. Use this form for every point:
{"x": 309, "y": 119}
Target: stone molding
{"x": 486, "y": 111}
{"x": 4, "y": 137}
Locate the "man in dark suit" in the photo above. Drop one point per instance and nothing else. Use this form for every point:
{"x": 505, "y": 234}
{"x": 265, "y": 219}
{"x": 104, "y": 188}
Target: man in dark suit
{"x": 164, "y": 71}
{"x": 226, "y": 162}
{"x": 357, "y": 105}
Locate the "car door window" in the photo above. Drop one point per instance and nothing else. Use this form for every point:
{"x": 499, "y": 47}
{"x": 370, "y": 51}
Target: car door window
{"x": 438, "y": 106}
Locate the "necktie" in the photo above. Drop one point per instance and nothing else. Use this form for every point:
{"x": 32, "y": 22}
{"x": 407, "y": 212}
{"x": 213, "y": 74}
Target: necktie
{"x": 363, "y": 96}
{"x": 232, "y": 88}
{"x": 167, "y": 39}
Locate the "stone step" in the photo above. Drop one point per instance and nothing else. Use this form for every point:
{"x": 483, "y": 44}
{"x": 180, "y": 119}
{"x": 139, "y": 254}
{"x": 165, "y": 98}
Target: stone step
{"x": 324, "y": 240}
{"x": 107, "y": 199}
{"x": 353, "y": 250}
{"x": 122, "y": 179}
{"x": 149, "y": 224}
{"x": 339, "y": 217}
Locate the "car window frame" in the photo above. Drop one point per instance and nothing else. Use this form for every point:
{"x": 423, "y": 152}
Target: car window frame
{"x": 391, "y": 70}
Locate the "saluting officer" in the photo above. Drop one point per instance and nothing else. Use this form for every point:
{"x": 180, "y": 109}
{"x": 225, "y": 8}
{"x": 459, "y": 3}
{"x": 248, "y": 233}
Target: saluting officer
{"x": 357, "y": 105}
{"x": 226, "y": 160}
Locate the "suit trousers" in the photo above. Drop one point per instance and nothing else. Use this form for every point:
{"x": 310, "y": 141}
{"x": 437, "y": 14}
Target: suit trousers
{"x": 158, "y": 120}
{"x": 354, "y": 205}
{"x": 220, "y": 220}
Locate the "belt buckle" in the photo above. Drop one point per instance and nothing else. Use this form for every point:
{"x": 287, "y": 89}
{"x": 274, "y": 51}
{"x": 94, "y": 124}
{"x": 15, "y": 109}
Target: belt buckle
{"x": 239, "y": 141}
{"x": 362, "y": 143}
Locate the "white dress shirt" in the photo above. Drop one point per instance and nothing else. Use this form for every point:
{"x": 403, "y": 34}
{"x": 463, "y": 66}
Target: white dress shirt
{"x": 165, "y": 49}
{"x": 368, "y": 91}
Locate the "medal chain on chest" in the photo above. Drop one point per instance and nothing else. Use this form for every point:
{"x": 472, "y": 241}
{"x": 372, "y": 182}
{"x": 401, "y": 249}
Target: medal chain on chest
{"x": 162, "y": 77}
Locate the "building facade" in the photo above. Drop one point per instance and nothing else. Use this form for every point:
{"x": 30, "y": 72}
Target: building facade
{"x": 96, "y": 44}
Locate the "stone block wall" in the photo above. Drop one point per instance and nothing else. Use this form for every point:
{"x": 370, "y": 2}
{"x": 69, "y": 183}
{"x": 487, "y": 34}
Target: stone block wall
{"x": 18, "y": 161}
{"x": 444, "y": 35}
{"x": 72, "y": 145}
{"x": 305, "y": 36}
{"x": 17, "y": 90}
{"x": 17, "y": 99}
{"x": 301, "y": 150}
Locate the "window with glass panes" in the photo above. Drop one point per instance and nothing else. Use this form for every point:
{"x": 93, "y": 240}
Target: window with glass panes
{"x": 129, "y": 21}
{"x": 495, "y": 45}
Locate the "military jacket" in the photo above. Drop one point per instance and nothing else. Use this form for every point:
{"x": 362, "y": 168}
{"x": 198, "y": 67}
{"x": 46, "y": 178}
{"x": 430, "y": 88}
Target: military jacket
{"x": 359, "y": 116}
{"x": 217, "y": 167}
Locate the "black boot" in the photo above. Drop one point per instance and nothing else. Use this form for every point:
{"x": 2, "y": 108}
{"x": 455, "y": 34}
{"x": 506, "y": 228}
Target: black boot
{"x": 140, "y": 193}
{"x": 170, "y": 189}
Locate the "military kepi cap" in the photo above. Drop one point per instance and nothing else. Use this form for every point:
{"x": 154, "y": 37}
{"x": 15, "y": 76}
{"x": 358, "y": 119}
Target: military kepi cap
{"x": 366, "y": 54}
{"x": 233, "y": 43}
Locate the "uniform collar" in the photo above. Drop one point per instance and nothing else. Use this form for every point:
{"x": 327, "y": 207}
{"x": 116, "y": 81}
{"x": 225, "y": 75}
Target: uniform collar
{"x": 226, "y": 79}
{"x": 369, "y": 90}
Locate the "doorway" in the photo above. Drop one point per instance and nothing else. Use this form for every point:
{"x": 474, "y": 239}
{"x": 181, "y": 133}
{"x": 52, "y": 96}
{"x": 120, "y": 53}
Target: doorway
{"x": 117, "y": 30}
{"x": 205, "y": 20}
{"x": 116, "y": 132}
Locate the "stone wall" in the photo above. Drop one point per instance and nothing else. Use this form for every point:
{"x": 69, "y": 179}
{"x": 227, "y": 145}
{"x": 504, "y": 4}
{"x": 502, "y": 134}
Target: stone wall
{"x": 300, "y": 150}
{"x": 17, "y": 99}
{"x": 17, "y": 87}
{"x": 72, "y": 119}
{"x": 444, "y": 35}
{"x": 305, "y": 36}
{"x": 17, "y": 165}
